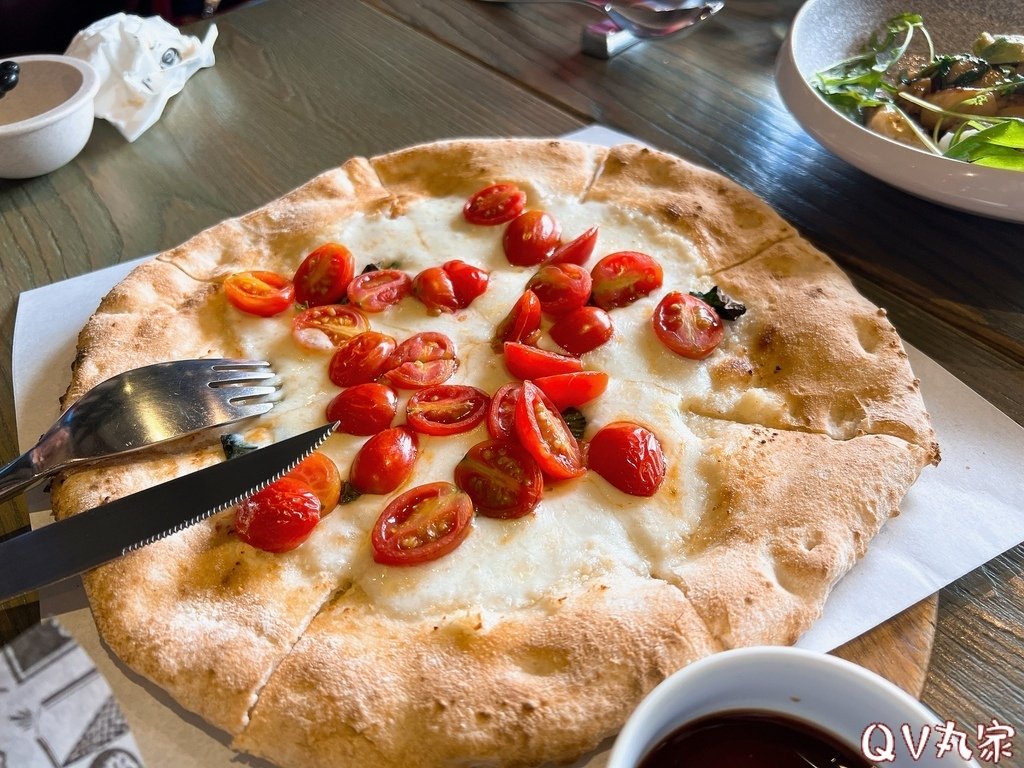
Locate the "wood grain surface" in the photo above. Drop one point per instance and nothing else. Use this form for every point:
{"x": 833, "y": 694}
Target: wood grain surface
{"x": 300, "y": 86}
{"x": 899, "y": 650}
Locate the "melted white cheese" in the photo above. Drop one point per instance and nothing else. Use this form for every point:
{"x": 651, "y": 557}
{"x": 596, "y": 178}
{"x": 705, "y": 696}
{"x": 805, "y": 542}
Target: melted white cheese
{"x": 584, "y": 528}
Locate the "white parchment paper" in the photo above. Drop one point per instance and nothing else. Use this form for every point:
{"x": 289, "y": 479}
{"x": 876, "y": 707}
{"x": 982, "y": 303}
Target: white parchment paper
{"x": 956, "y": 517}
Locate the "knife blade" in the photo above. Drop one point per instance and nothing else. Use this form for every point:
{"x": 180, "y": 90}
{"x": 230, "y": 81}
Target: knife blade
{"x": 95, "y": 536}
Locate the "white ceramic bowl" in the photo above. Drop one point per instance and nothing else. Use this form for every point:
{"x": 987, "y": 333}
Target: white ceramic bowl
{"x": 838, "y": 697}
{"x": 825, "y": 32}
{"x": 47, "y": 118}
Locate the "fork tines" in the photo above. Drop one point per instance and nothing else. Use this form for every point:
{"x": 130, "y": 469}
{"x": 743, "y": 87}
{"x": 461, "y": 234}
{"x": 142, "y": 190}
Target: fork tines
{"x": 250, "y": 382}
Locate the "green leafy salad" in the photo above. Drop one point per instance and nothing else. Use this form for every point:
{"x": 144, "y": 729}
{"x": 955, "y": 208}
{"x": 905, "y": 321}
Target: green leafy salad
{"x": 968, "y": 106}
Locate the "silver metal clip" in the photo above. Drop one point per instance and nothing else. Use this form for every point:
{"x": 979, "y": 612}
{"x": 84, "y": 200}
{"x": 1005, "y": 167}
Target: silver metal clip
{"x": 605, "y": 39}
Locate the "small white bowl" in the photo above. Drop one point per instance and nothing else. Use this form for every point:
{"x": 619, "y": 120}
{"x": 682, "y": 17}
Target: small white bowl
{"x": 833, "y": 695}
{"x": 47, "y": 118}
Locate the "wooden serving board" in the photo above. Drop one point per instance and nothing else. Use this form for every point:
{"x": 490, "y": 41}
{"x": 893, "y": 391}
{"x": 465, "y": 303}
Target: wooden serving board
{"x": 899, "y": 649}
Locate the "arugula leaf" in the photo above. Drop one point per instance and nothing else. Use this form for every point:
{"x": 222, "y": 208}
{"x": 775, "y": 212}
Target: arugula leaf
{"x": 858, "y": 83}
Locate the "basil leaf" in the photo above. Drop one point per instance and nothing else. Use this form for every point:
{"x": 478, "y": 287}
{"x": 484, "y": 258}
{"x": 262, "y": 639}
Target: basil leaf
{"x": 349, "y": 493}
{"x": 576, "y": 422}
{"x": 723, "y": 304}
{"x": 234, "y": 445}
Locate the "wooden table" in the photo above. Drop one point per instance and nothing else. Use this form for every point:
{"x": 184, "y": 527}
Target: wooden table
{"x": 300, "y": 86}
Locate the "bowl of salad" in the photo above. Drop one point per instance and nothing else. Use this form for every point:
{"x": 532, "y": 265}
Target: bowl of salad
{"x": 926, "y": 95}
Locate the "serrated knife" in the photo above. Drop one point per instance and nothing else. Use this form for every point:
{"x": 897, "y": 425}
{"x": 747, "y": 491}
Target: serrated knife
{"x": 62, "y": 549}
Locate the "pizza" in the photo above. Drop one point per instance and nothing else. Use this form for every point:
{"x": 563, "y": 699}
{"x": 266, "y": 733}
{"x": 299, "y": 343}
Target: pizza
{"x": 602, "y": 413}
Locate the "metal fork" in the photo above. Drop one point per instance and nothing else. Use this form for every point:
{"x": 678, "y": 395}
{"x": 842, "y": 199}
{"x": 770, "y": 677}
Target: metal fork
{"x": 145, "y": 407}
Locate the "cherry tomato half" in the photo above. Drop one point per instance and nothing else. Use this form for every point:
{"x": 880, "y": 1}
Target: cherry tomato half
{"x": 543, "y": 432}
{"x": 446, "y": 409}
{"x": 385, "y": 461}
{"x": 582, "y": 330}
{"x": 376, "y": 291}
{"x": 501, "y": 478}
{"x": 502, "y": 412}
{"x": 422, "y": 360}
{"x": 423, "y": 524}
{"x": 360, "y": 359}
{"x": 327, "y": 326}
{"x": 521, "y": 323}
{"x": 278, "y": 518}
{"x": 364, "y": 409}
{"x": 324, "y": 275}
{"x": 495, "y": 204}
{"x": 622, "y": 278}
{"x": 434, "y": 288}
{"x": 571, "y": 390}
{"x": 629, "y": 457}
{"x": 576, "y": 251}
{"x": 468, "y": 281}
{"x": 259, "y": 293}
{"x": 320, "y": 473}
{"x": 525, "y": 362}
{"x": 687, "y": 325}
{"x": 531, "y": 238}
{"x": 561, "y": 288}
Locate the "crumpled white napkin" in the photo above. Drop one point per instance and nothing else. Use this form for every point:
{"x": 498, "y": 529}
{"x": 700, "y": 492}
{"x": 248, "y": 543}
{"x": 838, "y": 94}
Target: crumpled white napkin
{"x": 141, "y": 63}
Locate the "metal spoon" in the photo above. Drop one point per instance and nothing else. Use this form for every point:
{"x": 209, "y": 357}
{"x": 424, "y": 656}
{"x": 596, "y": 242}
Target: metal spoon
{"x": 647, "y": 18}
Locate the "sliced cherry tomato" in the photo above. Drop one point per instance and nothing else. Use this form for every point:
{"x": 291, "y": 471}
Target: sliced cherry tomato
{"x": 521, "y": 323}
{"x": 543, "y": 432}
{"x": 376, "y": 291}
{"x": 364, "y": 409}
{"x": 525, "y": 362}
{"x": 259, "y": 293}
{"x": 360, "y": 359}
{"x": 629, "y": 457}
{"x": 687, "y": 325}
{"x": 422, "y": 360}
{"x": 561, "y": 288}
{"x": 531, "y": 238}
{"x": 434, "y": 288}
{"x": 320, "y": 473}
{"x": 501, "y": 478}
{"x": 571, "y": 390}
{"x": 446, "y": 409}
{"x": 421, "y": 525}
{"x": 324, "y": 275}
{"x": 495, "y": 204}
{"x": 385, "y": 461}
{"x": 502, "y": 412}
{"x": 278, "y": 518}
{"x": 622, "y": 278}
{"x": 325, "y": 327}
{"x": 468, "y": 281}
{"x": 582, "y": 330}
{"x": 576, "y": 251}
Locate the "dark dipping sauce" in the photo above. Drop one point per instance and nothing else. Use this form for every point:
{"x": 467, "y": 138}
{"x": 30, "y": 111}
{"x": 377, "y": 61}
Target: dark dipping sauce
{"x": 751, "y": 740}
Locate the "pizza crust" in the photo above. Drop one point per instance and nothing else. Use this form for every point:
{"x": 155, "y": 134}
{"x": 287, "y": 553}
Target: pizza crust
{"x": 812, "y": 376}
{"x": 727, "y": 223}
{"x": 546, "y": 684}
{"x": 788, "y": 514}
{"x": 273, "y": 236}
{"x": 810, "y": 344}
{"x": 460, "y": 168}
